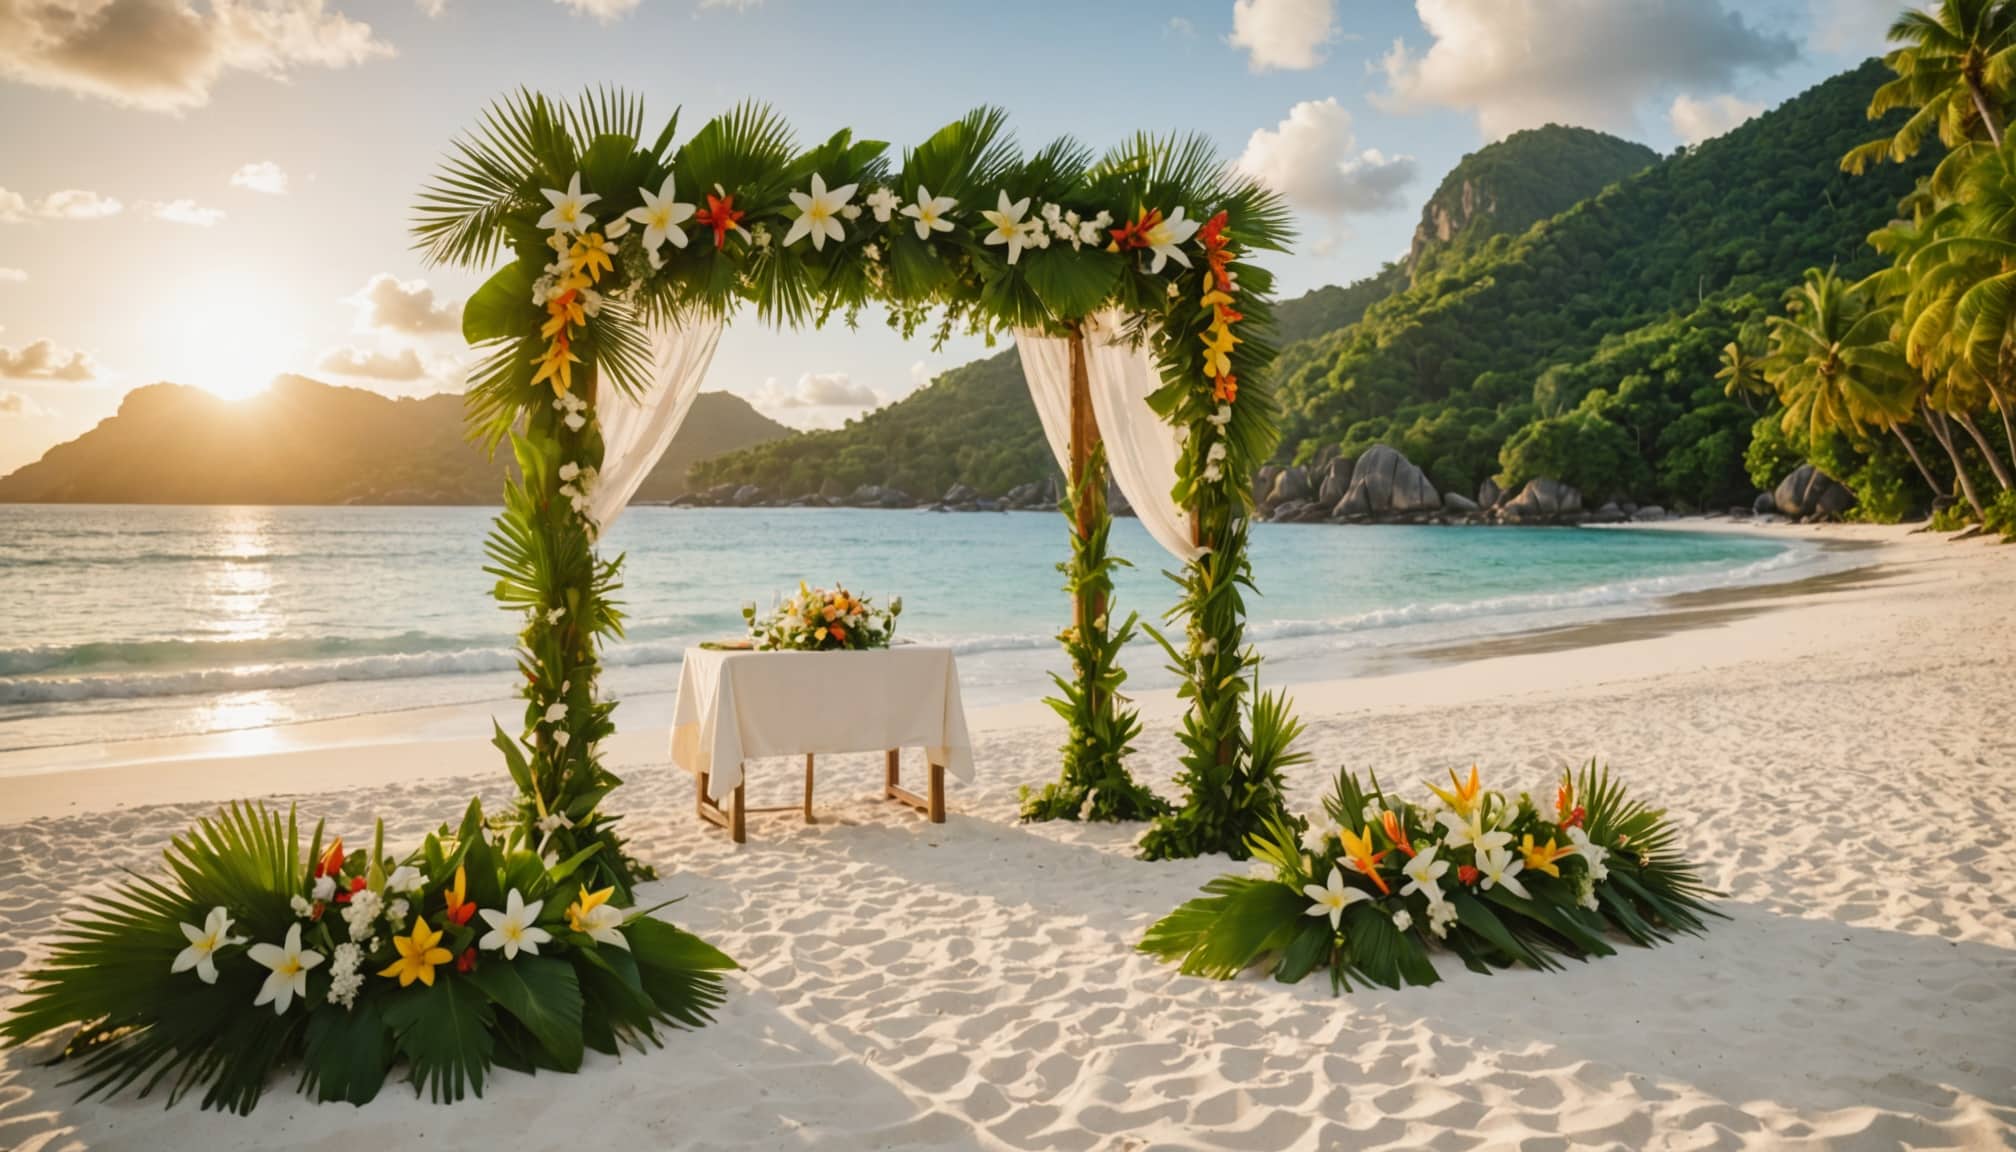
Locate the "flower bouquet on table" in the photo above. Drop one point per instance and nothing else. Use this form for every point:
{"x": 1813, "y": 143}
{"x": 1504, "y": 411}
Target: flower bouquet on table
{"x": 471, "y": 952}
{"x": 823, "y": 620}
{"x": 1368, "y": 886}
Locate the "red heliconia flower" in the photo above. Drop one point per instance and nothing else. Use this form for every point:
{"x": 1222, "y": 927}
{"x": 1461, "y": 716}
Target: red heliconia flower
{"x": 1468, "y": 874}
{"x": 467, "y": 961}
{"x": 720, "y": 215}
{"x": 1212, "y": 234}
{"x": 1135, "y": 235}
{"x": 357, "y": 884}
{"x": 332, "y": 859}
{"x": 1575, "y": 818}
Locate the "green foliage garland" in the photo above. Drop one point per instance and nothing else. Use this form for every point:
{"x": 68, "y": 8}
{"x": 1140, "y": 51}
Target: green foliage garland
{"x": 1364, "y": 891}
{"x": 168, "y": 984}
{"x": 1101, "y": 726}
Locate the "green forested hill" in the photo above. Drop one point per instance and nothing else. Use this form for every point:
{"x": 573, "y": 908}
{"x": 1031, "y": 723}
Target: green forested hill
{"x": 1584, "y": 348}
{"x": 1510, "y": 185}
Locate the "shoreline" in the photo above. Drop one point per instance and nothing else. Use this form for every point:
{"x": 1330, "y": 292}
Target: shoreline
{"x": 435, "y": 742}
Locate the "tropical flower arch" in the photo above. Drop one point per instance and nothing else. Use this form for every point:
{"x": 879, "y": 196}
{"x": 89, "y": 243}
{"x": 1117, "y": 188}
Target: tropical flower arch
{"x": 607, "y": 234}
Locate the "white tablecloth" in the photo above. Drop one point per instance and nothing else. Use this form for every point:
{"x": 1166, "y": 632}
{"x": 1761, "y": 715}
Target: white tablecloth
{"x": 736, "y": 706}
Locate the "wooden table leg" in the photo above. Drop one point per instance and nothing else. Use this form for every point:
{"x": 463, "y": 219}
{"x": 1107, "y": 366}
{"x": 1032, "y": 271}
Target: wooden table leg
{"x": 937, "y": 794}
{"x": 700, "y": 796}
{"x": 737, "y": 831}
{"x": 808, "y": 788}
{"x": 932, "y": 805}
{"x": 892, "y": 774}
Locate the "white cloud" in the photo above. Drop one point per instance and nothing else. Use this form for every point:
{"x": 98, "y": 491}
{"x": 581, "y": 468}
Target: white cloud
{"x": 12, "y": 275}
{"x": 261, "y": 176}
{"x": 401, "y": 365}
{"x": 13, "y": 207}
{"x": 183, "y": 212}
{"x": 76, "y": 204}
{"x": 1288, "y": 34}
{"x": 15, "y": 404}
{"x": 1312, "y": 158}
{"x": 42, "y": 360}
{"x": 1852, "y": 27}
{"x": 1697, "y": 120}
{"x": 1181, "y": 26}
{"x": 1523, "y": 63}
{"x": 603, "y": 10}
{"x": 387, "y": 303}
{"x": 166, "y": 55}
{"x": 818, "y": 399}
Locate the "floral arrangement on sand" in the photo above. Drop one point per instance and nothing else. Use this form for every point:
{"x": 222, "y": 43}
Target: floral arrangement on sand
{"x": 823, "y": 620}
{"x": 246, "y": 956}
{"x": 1366, "y": 887}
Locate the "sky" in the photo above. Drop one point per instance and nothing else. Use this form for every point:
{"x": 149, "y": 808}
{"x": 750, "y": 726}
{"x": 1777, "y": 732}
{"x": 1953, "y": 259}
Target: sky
{"x": 214, "y": 193}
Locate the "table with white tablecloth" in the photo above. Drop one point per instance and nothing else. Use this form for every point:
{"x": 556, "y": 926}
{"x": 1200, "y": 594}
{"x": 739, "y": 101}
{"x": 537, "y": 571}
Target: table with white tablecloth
{"x": 737, "y": 705}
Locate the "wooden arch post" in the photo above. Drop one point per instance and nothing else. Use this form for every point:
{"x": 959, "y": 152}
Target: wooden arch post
{"x": 1086, "y": 515}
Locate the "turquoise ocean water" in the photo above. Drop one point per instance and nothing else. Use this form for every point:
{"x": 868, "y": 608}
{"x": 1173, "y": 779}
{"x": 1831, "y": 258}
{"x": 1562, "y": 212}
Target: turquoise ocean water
{"x": 134, "y": 622}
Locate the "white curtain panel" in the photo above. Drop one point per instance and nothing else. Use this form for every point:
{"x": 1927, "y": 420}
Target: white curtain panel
{"x": 1141, "y": 448}
{"x": 636, "y": 430}
{"x": 1046, "y": 364}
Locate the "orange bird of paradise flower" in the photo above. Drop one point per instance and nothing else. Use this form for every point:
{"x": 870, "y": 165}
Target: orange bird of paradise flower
{"x": 1466, "y": 793}
{"x": 1389, "y": 822}
{"x": 1358, "y": 851}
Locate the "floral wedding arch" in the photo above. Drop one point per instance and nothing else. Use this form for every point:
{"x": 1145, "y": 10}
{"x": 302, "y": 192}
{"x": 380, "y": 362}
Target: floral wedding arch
{"x": 624, "y": 256}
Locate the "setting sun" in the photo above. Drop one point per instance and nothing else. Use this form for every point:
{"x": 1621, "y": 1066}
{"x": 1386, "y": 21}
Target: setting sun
{"x": 217, "y": 334}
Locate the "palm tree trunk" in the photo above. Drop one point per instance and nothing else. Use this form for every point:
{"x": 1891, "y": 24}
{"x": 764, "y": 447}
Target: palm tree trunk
{"x": 1987, "y": 450}
{"x": 1898, "y": 430}
{"x": 1944, "y": 435}
{"x": 1987, "y": 117}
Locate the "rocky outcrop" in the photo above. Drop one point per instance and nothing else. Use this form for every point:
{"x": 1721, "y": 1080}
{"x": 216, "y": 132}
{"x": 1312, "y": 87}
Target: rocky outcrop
{"x": 1809, "y": 493}
{"x": 1291, "y": 484}
{"x": 1489, "y": 494}
{"x": 1457, "y": 504}
{"x": 1387, "y": 485}
{"x": 1263, "y": 483}
{"x": 959, "y": 494}
{"x": 1649, "y": 514}
{"x": 1336, "y": 481}
{"x": 1544, "y": 500}
{"x": 1609, "y": 513}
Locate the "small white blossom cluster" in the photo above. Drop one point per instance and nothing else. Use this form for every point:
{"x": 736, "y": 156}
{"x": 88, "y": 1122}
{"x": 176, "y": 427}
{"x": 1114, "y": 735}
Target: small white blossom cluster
{"x": 882, "y": 202}
{"x": 360, "y": 916}
{"x": 1069, "y": 227}
{"x": 759, "y": 238}
{"x": 1214, "y": 462}
{"x": 302, "y": 908}
{"x": 345, "y": 977}
{"x": 575, "y": 409}
{"x": 575, "y": 484}
{"x": 1441, "y": 914}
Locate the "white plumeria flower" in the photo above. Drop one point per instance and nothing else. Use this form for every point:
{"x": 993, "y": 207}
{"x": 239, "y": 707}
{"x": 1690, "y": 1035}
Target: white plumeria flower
{"x": 1009, "y": 228}
{"x": 1424, "y": 874}
{"x": 882, "y": 202}
{"x": 1472, "y": 832}
{"x": 1332, "y": 900}
{"x": 201, "y": 954}
{"x": 1500, "y": 869}
{"x": 930, "y": 212}
{"x": 287, "y": 971}
{"x": 1164, "y": 238}
{"x": 405, "y": 878}
{"x": 819, "y": 213}
{"x": 570, "y": 208}
{"x": 1592, "y": 852}
{"x": 515, "y": 929}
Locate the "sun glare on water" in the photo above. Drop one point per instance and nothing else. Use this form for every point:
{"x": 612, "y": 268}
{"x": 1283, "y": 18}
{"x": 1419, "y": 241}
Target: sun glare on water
{"x": 227, "y": 331}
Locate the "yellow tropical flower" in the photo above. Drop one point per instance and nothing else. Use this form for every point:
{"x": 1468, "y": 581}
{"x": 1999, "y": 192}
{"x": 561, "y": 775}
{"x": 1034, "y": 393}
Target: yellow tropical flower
{"x": 1541, "y": 857}
{"x": 565, "y": 312}
{"x": 1466, "y": 794}
{"x": 418, "y": 954}
{"x": 578, "y": 912}
{"x": 557, "y": 366}
{"x": 593, "y": 256}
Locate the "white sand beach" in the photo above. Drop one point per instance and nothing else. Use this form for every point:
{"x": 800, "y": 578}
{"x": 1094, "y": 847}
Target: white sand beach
{"x": 1840, "y": 759}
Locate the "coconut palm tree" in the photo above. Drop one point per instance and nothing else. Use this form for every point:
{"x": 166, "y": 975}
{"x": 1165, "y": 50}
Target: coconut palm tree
{"x": 1955, "y": 67}
{"x": 1835, "y": 367}
{"x": 1742, "y": 374}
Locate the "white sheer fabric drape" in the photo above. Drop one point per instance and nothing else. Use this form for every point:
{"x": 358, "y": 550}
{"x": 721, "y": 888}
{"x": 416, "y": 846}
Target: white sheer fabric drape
{"x": 1141, "y": 448}
{"x": 1046, "y": 364}
{"x": 636, "y": 430}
